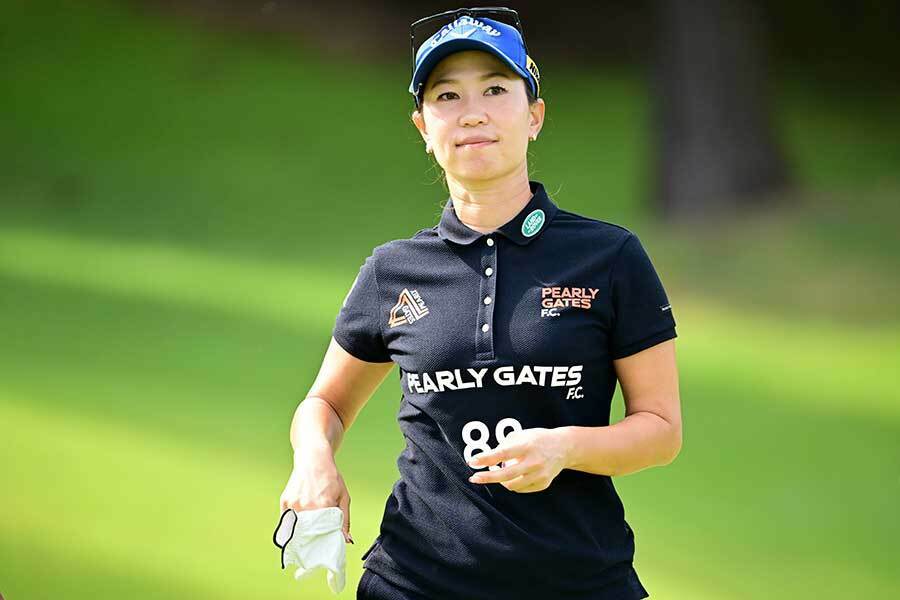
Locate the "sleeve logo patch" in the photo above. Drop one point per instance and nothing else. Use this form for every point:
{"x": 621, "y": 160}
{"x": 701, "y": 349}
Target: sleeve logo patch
{"x": 410, "y": 308}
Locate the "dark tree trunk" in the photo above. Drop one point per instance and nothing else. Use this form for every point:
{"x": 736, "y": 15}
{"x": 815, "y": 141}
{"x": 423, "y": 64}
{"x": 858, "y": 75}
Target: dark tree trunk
{"x": 716, "y": 147}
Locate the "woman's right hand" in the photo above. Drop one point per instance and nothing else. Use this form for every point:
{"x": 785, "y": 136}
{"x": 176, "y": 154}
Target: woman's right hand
{"x": 314, "y": 483}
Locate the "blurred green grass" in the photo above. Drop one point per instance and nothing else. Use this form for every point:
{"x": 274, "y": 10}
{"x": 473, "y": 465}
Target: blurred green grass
{"x": 181, "y": 212}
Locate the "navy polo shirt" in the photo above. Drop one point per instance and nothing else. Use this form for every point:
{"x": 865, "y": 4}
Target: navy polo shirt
{"x": 493, "y": 333}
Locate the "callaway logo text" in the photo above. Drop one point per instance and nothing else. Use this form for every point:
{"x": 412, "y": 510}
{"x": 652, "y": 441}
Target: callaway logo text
{"x": 459, "y": 23}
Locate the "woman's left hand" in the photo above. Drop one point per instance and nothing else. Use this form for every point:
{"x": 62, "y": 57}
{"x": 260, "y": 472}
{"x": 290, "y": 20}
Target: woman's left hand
{"x": 532, "y": 459}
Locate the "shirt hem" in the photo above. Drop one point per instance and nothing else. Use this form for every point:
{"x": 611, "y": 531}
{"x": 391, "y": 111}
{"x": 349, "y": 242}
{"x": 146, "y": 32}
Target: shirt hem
{"x": 626, "y": 587}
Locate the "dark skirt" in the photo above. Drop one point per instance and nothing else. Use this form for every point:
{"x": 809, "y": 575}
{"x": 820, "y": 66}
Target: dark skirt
{"x": 373, "y": 586}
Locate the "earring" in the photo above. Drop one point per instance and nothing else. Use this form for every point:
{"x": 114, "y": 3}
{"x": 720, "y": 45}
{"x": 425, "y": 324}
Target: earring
{"x": 428, "y": 148}
{"x": 533, "y": 137}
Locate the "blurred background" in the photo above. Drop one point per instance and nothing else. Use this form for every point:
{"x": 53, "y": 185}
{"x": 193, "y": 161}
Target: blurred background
{"x": 188, "y": 188}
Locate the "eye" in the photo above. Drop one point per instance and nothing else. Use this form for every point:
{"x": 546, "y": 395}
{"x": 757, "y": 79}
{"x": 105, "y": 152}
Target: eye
{"x": 500, "y": 90}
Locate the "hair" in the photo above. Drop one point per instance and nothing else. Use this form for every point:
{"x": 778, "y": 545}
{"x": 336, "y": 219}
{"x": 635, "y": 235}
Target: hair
{"x": 530, "y": 93}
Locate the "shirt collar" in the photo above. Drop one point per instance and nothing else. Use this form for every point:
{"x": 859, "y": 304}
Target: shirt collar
{"x": 539, "y": 211}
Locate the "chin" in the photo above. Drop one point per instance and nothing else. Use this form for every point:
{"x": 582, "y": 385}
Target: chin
{"x": 478, "y": 170}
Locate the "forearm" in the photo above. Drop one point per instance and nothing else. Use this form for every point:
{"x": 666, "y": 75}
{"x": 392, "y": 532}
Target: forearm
{"x": 315, "y": 428}
{"x": 638, "y": 441}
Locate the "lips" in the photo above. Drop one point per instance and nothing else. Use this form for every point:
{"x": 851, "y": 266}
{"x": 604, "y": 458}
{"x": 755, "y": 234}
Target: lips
{"x": 475, "y": 142}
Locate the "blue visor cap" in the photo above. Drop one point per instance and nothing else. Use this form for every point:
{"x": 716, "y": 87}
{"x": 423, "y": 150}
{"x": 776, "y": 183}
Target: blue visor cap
{"x": 468, "y": 33}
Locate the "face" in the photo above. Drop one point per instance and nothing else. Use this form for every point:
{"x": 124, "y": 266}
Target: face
{"x": 474, "y": 94}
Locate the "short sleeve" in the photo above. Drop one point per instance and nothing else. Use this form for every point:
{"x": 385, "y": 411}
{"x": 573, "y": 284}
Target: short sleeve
{"x": 357, "y": 327}
{"x": 642, "y": 315}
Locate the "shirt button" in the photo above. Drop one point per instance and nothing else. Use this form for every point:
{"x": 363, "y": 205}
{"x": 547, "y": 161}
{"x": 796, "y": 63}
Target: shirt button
{"x": 489, "y": 271}
{"x": 487, "y": 299}
{"x": 485, "y": 327}
{"x": 490, "y": 242}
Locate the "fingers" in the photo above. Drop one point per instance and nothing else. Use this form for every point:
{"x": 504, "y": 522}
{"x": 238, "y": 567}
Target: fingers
{"x": 510, "y": 471}
{"x": 283, "y": 505}
{"x": 501, "y": 453}
{"x": 534, "y": 486}
{"x": 491, "y": 457}
{"x": 344, "y": 504}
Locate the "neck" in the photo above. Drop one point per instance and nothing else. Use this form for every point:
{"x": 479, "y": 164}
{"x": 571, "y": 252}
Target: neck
{"x": 487, "y": 205}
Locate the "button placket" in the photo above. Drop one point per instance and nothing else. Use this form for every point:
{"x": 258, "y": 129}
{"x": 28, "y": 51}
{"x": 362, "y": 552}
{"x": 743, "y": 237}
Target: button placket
{"x": 484, "y": 333}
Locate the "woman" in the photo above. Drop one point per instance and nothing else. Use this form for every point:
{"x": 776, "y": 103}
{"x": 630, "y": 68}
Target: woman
{"x": 511, "y": 321}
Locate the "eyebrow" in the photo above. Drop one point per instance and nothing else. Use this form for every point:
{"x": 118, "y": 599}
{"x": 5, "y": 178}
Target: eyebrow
{"x": 483, "y": 77}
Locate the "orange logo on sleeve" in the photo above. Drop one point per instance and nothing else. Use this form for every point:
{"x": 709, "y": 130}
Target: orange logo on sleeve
{"x": 410, "y": 308}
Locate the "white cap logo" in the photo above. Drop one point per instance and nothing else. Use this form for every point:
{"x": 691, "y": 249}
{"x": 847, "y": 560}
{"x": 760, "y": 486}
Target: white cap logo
{"x": 455, "y": 29}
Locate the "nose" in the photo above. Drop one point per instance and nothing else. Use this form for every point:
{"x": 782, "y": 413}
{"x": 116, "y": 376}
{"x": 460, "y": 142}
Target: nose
{"x": 472, "y": 114}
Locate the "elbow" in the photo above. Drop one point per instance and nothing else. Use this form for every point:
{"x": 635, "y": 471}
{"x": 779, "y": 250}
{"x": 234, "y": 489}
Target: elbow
{"x": 669, "y": 443}
{"x": 673, "y": 445}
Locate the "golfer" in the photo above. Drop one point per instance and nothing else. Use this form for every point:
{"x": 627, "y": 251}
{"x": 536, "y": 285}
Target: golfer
{"x": 510, "y": 320}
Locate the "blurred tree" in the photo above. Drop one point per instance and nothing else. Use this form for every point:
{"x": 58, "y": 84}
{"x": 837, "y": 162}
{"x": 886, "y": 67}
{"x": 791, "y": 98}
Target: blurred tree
{"x": 715, "y": 145}
{"x": 716, "y": 150}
